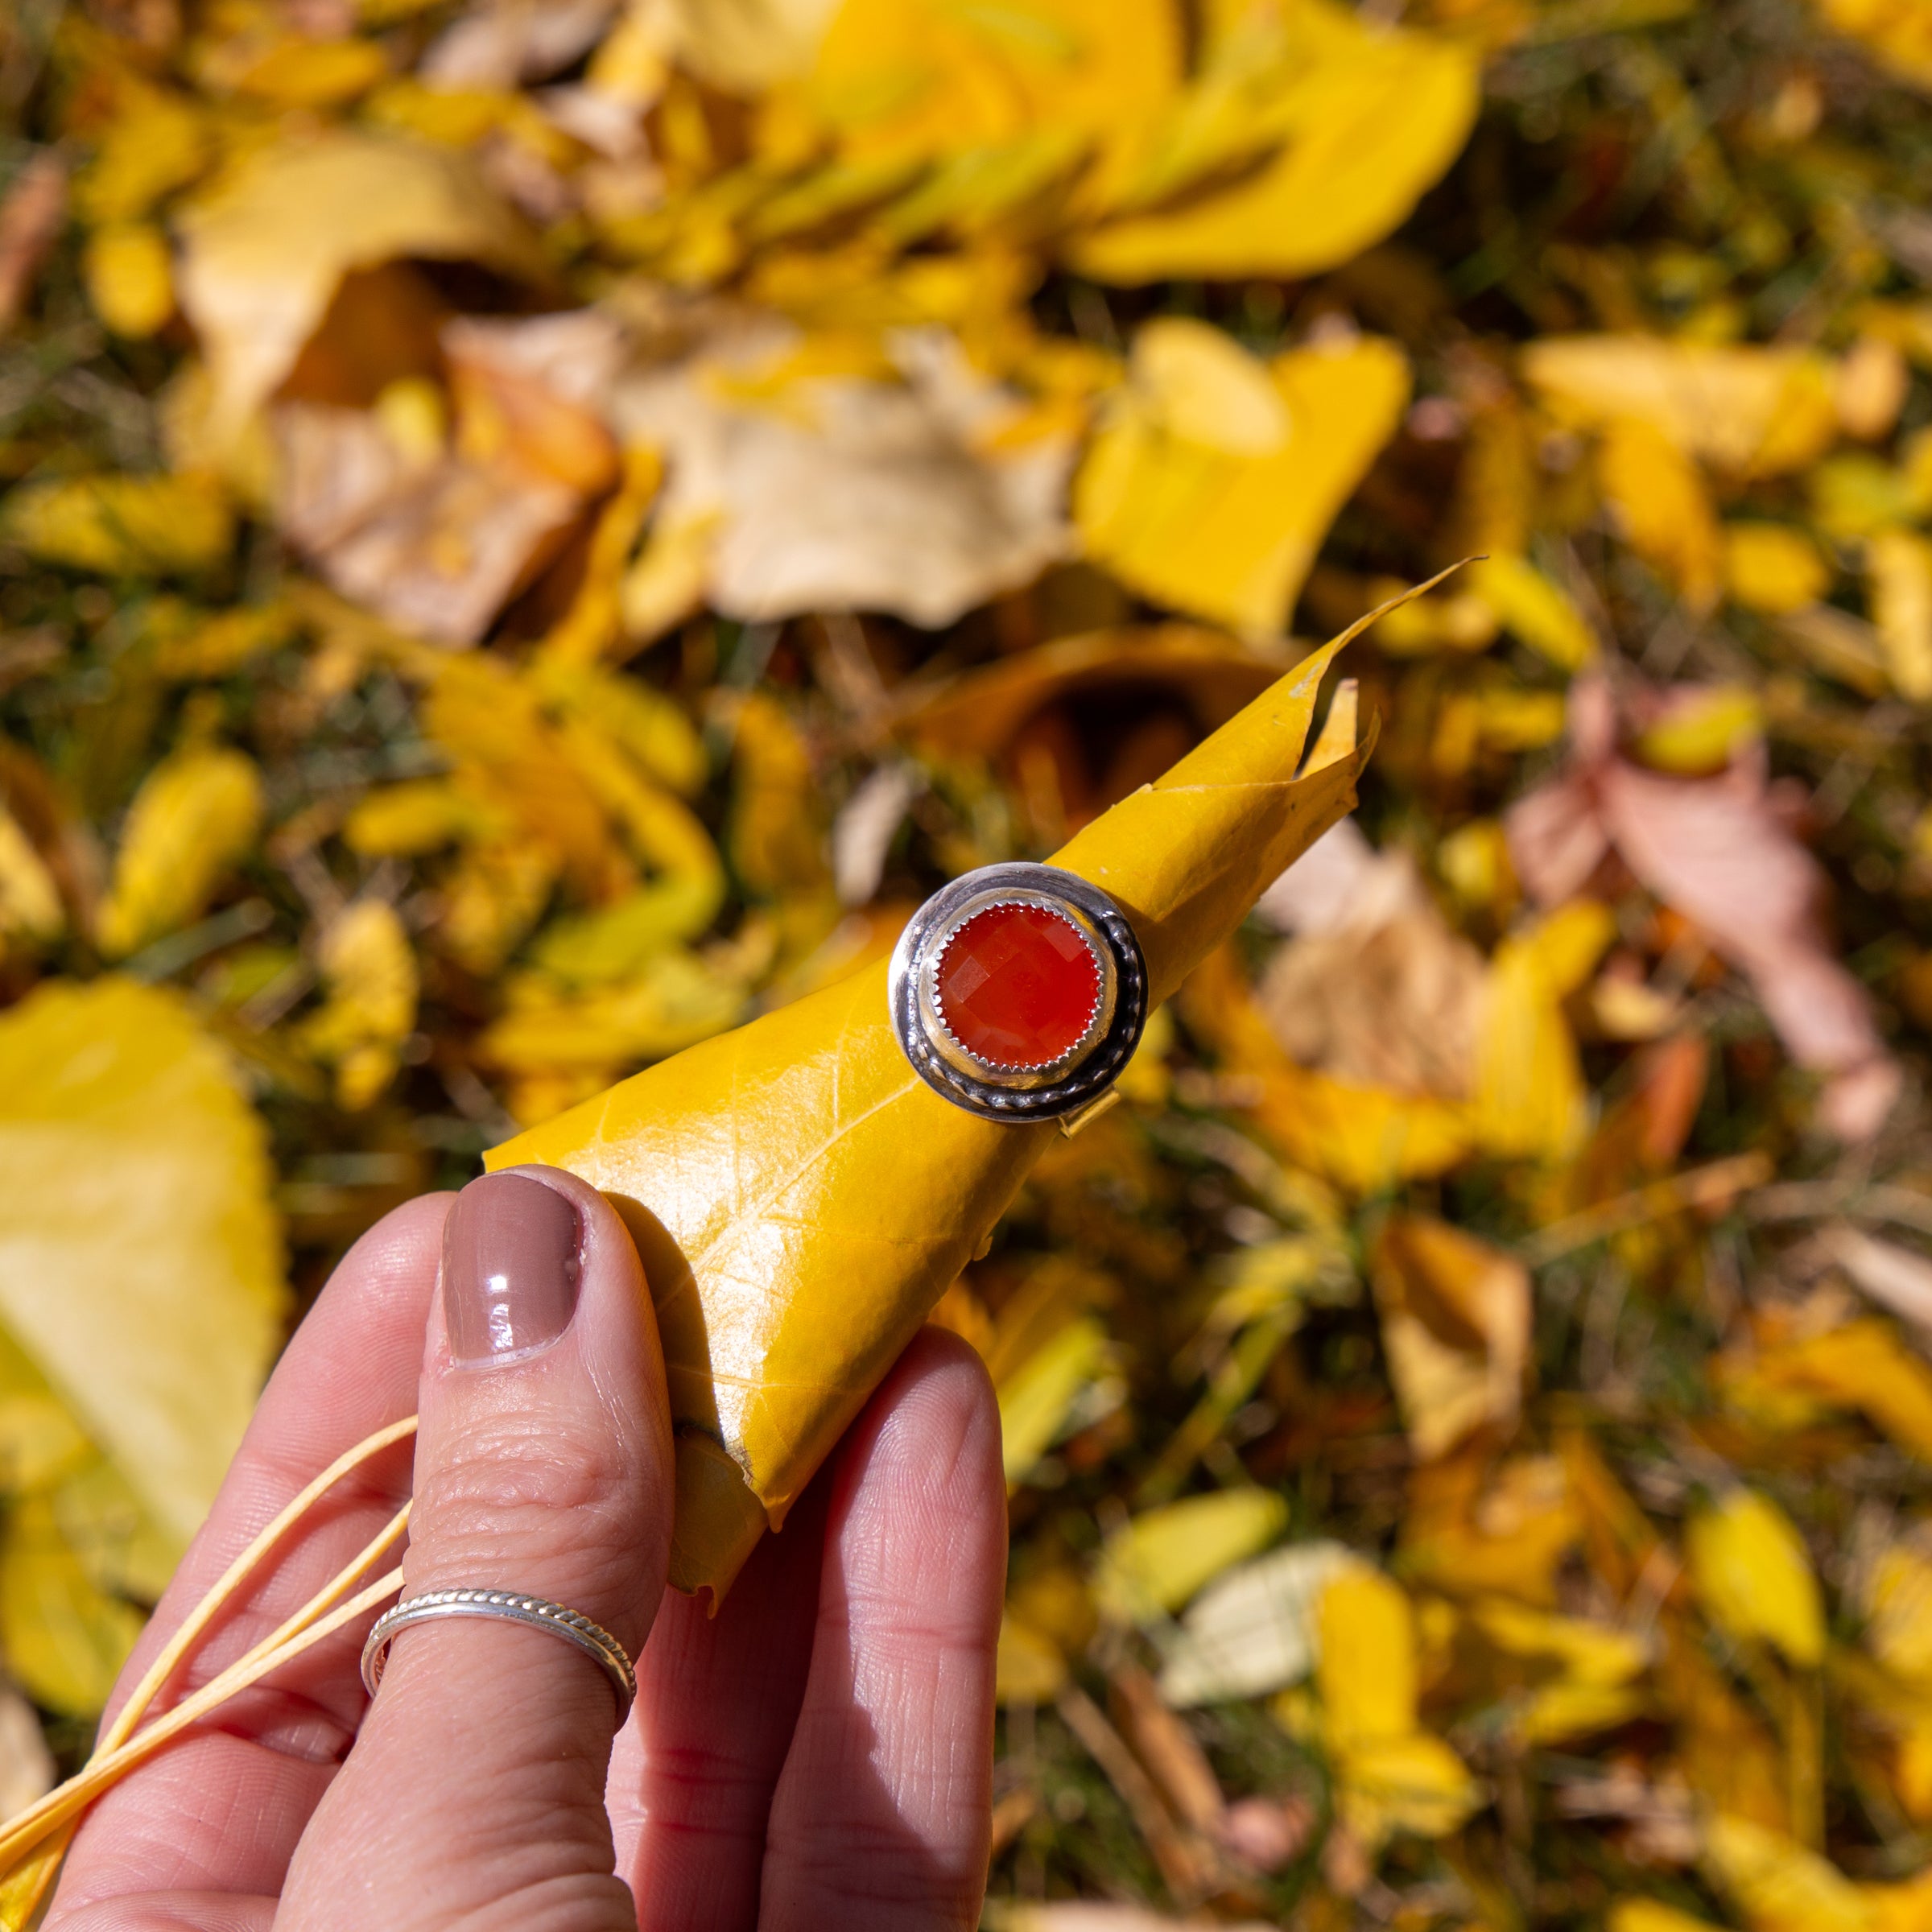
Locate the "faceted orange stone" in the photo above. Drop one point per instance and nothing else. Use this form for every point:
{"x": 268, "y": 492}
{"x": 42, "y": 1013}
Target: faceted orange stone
{"x": 1017, "y": 985}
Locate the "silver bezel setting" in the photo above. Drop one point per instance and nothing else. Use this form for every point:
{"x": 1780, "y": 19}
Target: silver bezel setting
{"x": 1042, "y": 1073}
{"x": 1057, "y": 1088}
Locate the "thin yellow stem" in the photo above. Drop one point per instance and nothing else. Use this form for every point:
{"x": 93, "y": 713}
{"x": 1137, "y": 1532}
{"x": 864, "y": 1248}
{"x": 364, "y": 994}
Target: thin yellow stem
{"x": 204, "y": 1612}
{"x": 24, "y": 1833}
{"x": 372, "y": 1552}
{"x": 51, "y": 1824}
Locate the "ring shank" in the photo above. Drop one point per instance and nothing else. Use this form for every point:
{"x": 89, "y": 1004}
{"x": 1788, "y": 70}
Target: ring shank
{"x": 503, "y": 1606}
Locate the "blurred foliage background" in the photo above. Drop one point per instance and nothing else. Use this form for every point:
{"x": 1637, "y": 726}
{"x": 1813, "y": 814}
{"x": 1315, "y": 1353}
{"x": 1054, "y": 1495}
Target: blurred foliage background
{"x": 533, "y": 533}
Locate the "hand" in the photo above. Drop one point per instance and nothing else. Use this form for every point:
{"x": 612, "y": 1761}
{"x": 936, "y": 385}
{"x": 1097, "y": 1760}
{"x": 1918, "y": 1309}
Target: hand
{"x": 818, "y": 1755}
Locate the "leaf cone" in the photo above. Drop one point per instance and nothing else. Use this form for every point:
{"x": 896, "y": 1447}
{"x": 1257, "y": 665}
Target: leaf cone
{"x": 801, "y": 1198}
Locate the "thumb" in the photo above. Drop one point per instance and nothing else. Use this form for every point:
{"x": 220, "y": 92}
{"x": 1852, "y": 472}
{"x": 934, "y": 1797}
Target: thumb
{"x": 474, "y": 1793}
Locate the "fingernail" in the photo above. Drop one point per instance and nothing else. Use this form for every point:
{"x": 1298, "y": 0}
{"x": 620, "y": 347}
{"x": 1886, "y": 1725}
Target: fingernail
{"x": 510, "y": 1268}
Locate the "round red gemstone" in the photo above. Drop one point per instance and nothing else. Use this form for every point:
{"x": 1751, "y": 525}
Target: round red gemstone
{"x": 1017, "y": 986}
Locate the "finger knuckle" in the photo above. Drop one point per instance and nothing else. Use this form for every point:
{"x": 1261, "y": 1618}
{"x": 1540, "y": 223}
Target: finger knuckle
{"x": 569, "y": 1489}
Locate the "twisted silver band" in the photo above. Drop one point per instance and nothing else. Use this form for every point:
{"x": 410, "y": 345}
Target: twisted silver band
{"x": 511, "y": 1607}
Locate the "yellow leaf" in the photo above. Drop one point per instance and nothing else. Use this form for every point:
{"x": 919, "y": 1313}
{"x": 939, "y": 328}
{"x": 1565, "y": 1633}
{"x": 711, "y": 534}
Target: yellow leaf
{"x": 1533, "y": 610}
{"x": 1473, "y": 862}
{"x": 1900, "y": 1632}
{"x": 968, "y": 194}
{"x": 1462, "y": 621}
{"x": 688, "y": 884}
{"x": 122, "y": 525}
{"x": 1648, "y": 1915}
{"x": 1392, "y": 1775}
{"x": 1906, "y": 1907}
{"x": 222, "y": 643}
{"x": 302, "y": 72}
{"x": 1779, "y": 1885}
{"x": 1897, "y": 32}
{"x": 1363, "y": 1138}
{"x": 1202, "y": 387}
{"x": 39, "y": 1442}
{"x": 1055, "y": 1290}
{"x": 65, "y": 1640}
{"x": 1749, "y": 411}
{"x": 650, "y": 728}
{"x": 1530, "y": 1097}
{"x": 255, "y": 284}
{"x": 1028, "y": 1668}
{"x": 918, "y": 78}
{"x": 666, "y": 582}
{"x": 1144, "y": 1078}
{"x": 130, "y": 278}
{"x": 1510, "y": 1539}
{"x": 115, "y": 1540}
{"x": 492, "y": 724}
{"x": 1858, "y": 494}
{"x": 1036, "y": 1398}
{"x": 452, "y": 116}
{"x": 1594, "y": 1692}
{"x": 1455, "y": 1316}
{"x": 1900, "y": 563}
{"x": 1911, "y": 1769}
{"x": 1859, "y": 1364}
{"x": 789, "y": 1272}
{"x": 139, "y": 1262}
{"x": 1589, "y": 1653}
{"x": 1773, "y": 568}
{"x": 1227, "y": 528}
{"x": 1515, "y": 721}
{"x": 30, "y": 900}
{"x": 778, "y": 827}
{"x": 619, "y": 940}
{"x": 1162, "y": 1558}
{"x": 1351, "y": 123}
{"x": 195, "y": 814}
{"x": 412, "y": 413}
{"x": 493, "y": 899}
{"x": 369, "y": 972}
{"x": 1753, "y": 1576}
{"x": 420, "y": 816}
{"x": 741, "y": 45}
{"x": 1367, "y": 1674}
{"x": 154, "y": 142}
{"x": 1703, "y": 729}
{"x": 1873, "y": 381}
{"x": 1404, "y": 1783}
{"x": 1662, "y": 506}
{"x": 1563, "y": 1713}
{"x": 671, "y": 1002}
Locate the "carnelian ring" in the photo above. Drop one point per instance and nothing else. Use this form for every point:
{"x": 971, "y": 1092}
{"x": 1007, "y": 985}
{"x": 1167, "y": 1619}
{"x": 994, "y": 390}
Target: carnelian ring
{"x": 1019, "y": 991}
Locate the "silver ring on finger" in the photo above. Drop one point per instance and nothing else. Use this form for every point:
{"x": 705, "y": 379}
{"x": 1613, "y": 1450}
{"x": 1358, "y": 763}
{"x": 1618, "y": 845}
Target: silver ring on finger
{"x": 509, "y": 1607}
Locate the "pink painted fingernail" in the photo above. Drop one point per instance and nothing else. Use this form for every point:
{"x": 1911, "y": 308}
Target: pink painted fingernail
{"x": 510, "y": 1269}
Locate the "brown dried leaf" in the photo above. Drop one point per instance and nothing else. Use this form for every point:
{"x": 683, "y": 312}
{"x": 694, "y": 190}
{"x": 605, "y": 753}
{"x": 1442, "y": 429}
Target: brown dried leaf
{"x": 922, "y": 495}
{"x": 1718, "y": 850}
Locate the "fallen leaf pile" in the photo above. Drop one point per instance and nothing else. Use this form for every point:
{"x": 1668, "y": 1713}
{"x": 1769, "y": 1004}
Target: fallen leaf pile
{"x": 529, "y": 535}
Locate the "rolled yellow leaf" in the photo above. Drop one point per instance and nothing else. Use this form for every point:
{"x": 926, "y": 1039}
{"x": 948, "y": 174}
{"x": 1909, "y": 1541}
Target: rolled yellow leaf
{"x": 800, "y": 1197}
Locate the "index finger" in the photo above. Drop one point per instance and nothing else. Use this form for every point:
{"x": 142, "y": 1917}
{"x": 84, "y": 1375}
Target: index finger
{"x": 220, "y": 1810}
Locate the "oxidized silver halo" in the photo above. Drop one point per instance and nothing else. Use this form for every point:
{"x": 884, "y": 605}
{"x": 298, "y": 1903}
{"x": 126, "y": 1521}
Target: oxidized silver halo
{"x": 1010, "y": 1089}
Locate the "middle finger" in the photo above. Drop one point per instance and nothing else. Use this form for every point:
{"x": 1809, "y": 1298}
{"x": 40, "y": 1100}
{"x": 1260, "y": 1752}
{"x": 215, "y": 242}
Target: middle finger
{"x": 693, "y": 1772}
